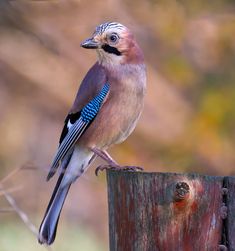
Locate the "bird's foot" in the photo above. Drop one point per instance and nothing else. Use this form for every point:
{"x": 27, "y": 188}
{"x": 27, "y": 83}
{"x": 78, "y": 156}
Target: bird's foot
{"x": 112, "y": 164}
{"x": 117, "y": 168}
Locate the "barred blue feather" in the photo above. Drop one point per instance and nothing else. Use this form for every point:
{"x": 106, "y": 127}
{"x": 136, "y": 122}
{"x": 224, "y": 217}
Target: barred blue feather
{"x": 92, "y": 108}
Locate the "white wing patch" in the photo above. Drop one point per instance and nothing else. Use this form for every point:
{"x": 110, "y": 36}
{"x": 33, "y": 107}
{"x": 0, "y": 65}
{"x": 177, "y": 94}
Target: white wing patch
{"x": 69, "y": 125}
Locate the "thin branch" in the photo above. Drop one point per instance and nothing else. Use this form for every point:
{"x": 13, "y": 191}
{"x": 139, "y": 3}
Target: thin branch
{"x": 21, "y": 214}
{"x": 12, "y": 202}
{"x": 7, "y": 210}
{"x": 13, "y": 172}
{"x": 16, "y": 170}
{"x": 10, "y": 190}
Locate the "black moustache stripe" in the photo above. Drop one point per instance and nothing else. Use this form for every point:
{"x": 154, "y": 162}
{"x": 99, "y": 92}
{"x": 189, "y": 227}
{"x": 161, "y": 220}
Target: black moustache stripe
{"x": 111, "y": 49}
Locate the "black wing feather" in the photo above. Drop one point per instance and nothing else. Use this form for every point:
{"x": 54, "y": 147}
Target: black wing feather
{"x": 72, "y": 117}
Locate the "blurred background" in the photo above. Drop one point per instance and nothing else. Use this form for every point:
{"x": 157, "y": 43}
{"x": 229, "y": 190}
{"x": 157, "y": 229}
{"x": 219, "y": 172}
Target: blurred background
{"x": 188, "y": 124}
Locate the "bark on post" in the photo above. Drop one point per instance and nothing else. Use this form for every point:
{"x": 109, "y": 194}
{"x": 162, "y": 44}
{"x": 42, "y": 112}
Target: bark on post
{"x": 165, "y": 212}
{"x": 229, "y": 222}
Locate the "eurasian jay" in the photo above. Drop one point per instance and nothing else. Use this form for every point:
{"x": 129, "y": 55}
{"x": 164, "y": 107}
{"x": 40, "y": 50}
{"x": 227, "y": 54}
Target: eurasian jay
{"x": 105, "y": 112}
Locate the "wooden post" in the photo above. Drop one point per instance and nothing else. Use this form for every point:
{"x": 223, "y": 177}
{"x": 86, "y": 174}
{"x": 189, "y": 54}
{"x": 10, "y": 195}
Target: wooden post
{"x": 229, "y": 223}
{"x": 170, "y": 212}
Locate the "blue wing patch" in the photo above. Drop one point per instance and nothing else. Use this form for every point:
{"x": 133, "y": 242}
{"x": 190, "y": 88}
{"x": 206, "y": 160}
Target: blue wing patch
{"x": 88, "y": 113}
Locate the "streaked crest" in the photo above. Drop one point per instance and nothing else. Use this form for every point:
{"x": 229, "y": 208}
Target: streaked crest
{"x": 109, "y": 25}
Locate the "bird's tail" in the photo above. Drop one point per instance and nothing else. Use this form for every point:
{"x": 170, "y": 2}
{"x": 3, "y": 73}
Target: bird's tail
{"x": 47, "y": 231}
{"x": 71, "y": 169}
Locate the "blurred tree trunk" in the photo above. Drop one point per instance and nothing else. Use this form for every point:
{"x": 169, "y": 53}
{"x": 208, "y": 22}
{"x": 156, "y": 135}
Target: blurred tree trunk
{"x": 169, "y": 212}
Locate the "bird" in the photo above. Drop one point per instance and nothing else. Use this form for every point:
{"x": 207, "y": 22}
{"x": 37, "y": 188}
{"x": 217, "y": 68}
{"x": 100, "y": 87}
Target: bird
{"x": 105, "y": 112}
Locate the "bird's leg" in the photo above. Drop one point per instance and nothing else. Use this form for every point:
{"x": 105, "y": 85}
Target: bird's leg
{"x": 105, "y": 156}
{"x": 112, "y": 164}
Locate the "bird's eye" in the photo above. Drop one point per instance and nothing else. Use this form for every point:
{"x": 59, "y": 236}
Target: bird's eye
{"x": 113, "y": 38}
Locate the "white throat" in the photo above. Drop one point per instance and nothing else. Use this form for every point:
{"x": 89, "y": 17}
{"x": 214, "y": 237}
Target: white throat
{"x": 106, "y": 58}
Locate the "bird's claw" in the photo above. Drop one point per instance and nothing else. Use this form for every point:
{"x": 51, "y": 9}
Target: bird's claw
{"x": 117, "y": 168}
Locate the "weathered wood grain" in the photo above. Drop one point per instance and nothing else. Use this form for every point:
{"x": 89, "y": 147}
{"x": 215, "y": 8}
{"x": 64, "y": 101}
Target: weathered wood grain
{"x": 164, "y": 211}
{"x": 230, "y": 220}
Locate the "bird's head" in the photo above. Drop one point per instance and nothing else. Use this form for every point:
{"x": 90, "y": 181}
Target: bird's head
{"x": 114, "y": 44}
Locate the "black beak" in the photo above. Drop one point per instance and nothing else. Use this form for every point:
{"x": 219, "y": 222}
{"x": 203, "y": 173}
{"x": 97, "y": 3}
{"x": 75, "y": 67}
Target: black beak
{"x": 90, "y": 43}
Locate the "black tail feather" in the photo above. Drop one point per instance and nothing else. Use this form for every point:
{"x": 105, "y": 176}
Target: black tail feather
{"x": 47, "y": 230}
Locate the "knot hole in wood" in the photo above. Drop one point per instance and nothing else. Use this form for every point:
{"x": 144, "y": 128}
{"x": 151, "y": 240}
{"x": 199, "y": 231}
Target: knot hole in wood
{"x": 181, "y": 191}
